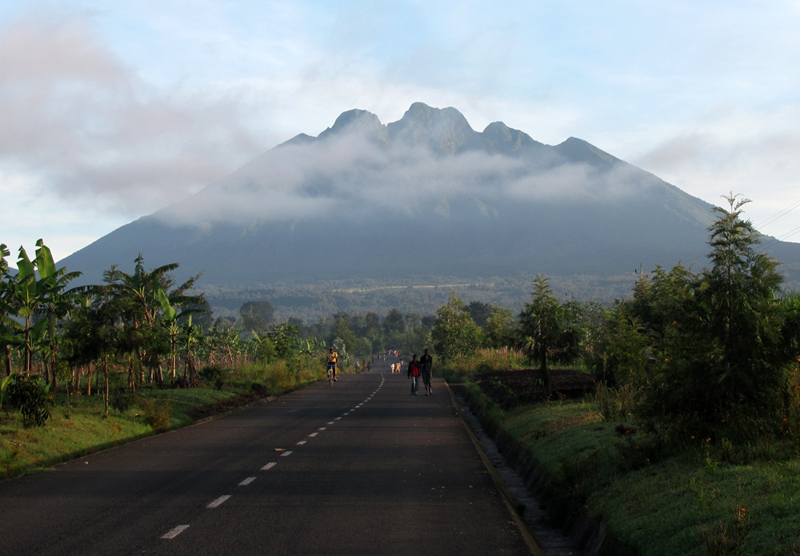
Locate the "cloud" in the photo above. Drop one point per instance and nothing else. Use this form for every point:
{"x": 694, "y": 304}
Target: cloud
{"x": 74, "y": 116}
{"x": 351, "y": 175}
{"x": 754, "y": 154}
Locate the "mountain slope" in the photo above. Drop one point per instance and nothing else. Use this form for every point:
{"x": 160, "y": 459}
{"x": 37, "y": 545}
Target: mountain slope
{"x": 424, "y": 196}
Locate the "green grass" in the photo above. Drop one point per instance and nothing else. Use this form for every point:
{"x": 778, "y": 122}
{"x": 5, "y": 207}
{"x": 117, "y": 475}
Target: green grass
{"x": 81, "y": 428}
{"x": 659, "y": 501}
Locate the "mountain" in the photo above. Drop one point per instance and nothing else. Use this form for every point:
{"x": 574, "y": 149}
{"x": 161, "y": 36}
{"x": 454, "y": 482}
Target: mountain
{"x": 422, "y": 197}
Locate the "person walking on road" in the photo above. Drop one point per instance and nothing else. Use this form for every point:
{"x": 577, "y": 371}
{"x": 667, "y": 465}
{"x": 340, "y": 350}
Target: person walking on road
{"x": 413, "y": 374}
{"x": 426, "y": 364}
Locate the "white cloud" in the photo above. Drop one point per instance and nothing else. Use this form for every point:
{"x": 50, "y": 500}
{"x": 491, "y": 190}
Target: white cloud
{"x": 86, "y": 127}
{"x": 347, "y": 174}
{"x": 747, "y": 152}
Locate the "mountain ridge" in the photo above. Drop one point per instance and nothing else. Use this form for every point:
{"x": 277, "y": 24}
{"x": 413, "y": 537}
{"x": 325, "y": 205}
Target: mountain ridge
{"x": 424, "y": 195}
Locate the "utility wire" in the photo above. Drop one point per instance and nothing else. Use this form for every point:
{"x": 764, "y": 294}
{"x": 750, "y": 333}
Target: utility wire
{"x": 782, "y": 238}
{"x": 781, "y": 214}
{"x": 770, "y": 243}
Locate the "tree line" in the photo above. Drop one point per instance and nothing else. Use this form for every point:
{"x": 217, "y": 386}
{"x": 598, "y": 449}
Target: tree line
{"x": 694, "y": 353}
{"x": 700, "y": 350}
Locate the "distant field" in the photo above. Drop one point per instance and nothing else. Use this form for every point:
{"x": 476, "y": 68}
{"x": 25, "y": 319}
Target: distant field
{"x": 422, "y": 296}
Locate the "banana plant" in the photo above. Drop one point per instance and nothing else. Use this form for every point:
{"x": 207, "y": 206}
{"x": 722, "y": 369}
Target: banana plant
{"x": 57, "y": 301}
{"x": 140, "y": 292}
{"x": 4, "y": 383}
{"x": 45, "y": 295}
{"x": 10, "y": 330}
{"x": 171, "y": 324}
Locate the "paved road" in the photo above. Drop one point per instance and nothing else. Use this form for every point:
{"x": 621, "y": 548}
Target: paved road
{"x": 364, "y": 469}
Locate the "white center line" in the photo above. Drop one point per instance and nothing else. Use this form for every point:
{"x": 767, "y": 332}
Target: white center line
{"x": 330, "y": 422}
{"x": 313, "y": 434}
{"x": 300, "y": 443}
{"x": 337, "y": 418}
{"x": 218, "y": 501}
{"x": 322, "y": 428}
{"x": 247, "y": 481}
{"x": 269, "y": 466}
{"x": 283, "y": 455}
{"x": 175, "y": 532}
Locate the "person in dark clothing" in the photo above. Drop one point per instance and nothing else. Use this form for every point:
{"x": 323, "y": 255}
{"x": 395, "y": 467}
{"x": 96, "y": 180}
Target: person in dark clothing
{"x": 426, "y": 364}
{"x": 413, "y": 374}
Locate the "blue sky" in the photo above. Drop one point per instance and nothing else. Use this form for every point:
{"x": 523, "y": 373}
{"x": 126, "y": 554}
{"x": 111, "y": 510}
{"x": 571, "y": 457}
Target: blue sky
{"x": 111, "y": 110}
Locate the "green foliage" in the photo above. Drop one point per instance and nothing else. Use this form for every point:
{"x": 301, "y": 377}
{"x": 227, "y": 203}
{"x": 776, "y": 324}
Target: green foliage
{"x": 257, "y": 315}
{"x": 29, "y": 395}
{"x": 4, "y": 384}
{"x": 499, "y": 329}
{"x": 454, "y": 332}
{"x": 547, "y": 328}
{"x": 615, "y": 403}
{"x": 122, "y": 400}
{"x": 215, "y": 375}
{"x": 723, "y": 351}
{"x": 394, "y": 322}
{"x": 619, "y": 352}
{"x": 157, "y": 412}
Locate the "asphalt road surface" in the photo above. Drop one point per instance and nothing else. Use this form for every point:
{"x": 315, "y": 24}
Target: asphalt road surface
{"x": 360, "y": 467}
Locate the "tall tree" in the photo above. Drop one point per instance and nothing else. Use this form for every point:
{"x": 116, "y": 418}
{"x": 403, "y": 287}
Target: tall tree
{"x": 740, "y": 293}
{"x": 727, "y": 352}
{"x": 454, "y": 333}
{"x": 541, "y": 322}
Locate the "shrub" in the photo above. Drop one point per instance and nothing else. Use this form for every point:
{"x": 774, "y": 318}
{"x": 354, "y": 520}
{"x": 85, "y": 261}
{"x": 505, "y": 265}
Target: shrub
{"x": 216, "y": 375}
{"x": 121, "y": 400}
{"x": 156, "y": 412}
{"x": 28, "y": 394}
{"x": 614, "y": 403}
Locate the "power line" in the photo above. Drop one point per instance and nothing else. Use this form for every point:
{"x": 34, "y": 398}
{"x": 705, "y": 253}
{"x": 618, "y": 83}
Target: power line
{"x": 780, "y": 214}
{"x": 782, "y": 238}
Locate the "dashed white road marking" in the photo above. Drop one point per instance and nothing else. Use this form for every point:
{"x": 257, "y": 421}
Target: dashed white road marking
{"x": 301, "y": 442}
{"x": 216, "y": 503}
{"x": 269, "y": 466}
{"x": 330, "y": 422}
{"x": 313, "y": 434}
{"x": 175, "y": 531}
{"x": 322, "y": 428}
{"x": 337, "y": 418}
{"x": 247, "y": 481}
{"x": 287, "y": 453}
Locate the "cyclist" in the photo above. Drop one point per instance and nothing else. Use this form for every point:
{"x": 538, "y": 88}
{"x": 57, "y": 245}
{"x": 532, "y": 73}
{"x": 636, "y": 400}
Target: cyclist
{"x": 331, "y": 361}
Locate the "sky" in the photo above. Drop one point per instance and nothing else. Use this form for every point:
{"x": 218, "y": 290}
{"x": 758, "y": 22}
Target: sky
{"x": 112, "y": 110}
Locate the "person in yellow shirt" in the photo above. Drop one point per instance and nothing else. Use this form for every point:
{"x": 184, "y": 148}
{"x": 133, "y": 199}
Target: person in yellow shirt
{"x": 331, "y": 362}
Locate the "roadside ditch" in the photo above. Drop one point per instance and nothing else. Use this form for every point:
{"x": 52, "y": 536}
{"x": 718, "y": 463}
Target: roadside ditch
{"x": 527, "y": 491}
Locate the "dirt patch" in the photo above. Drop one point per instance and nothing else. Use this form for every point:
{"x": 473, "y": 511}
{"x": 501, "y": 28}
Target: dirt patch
{"x": 527, "y": 386}
{"x": 225, "y": 405}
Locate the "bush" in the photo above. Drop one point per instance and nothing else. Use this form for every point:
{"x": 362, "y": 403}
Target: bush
{"x": 28, "y": 394}
{"x": 157, "y": 413}
{"x": 614, "y": 403}
{"x": 121, "y": 400}
{"x": 215, "y": 374}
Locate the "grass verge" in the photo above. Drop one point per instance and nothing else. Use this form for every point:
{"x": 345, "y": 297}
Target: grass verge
{"x": 79, "y": 428}
{"x": 689, "y": 502}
